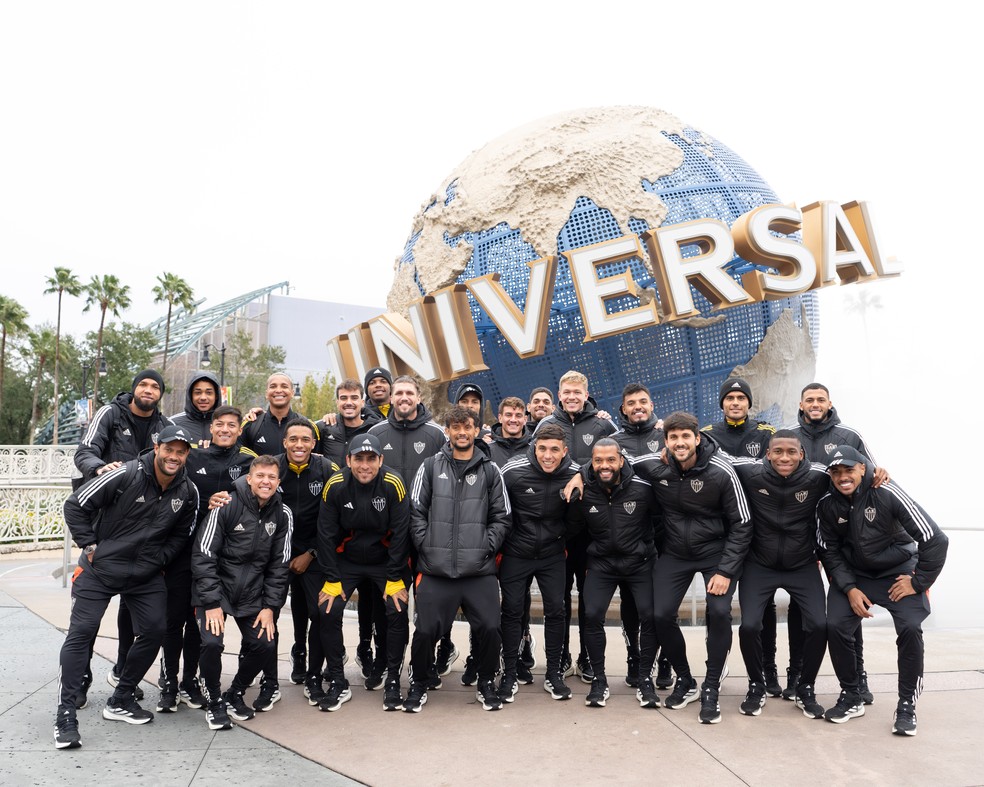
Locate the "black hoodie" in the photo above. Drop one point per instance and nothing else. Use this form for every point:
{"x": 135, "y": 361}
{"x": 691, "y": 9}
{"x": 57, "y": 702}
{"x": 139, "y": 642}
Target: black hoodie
{"x": 819, "y": 440}
{"x": 582, "y": 430}
{"x": 406, "y": 444}
{"x": 640, "y": 439}
{"x": 505, "y": 449}
{"x": 112, "y": 436}
{"x": 194, "y": 420}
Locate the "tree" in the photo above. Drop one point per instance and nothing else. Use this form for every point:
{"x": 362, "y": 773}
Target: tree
{"x": 63, "y": 281}
{"x": 247, "y": 369}
{"x": 176, "y": 292}
{"x": 44, "y": 344}
{"x": 316, "y": 400}
{"x": 109, "y": 295}
{"x": 127, "y": 348}
{"x": 861, "y": 303}
{"x": 13, "y": 317}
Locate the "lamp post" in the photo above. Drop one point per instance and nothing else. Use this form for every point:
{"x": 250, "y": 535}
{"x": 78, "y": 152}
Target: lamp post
{"x": 87, "y": 367}
{"x": 207, "y": 361}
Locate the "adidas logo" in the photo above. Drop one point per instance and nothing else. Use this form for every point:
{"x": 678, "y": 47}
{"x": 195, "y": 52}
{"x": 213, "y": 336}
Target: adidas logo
{"x": 140, "y": 499}
{"x": 841, "y": 520}
{"x": 349, "y": 505}
{"x": 764, "y": 492}
{"x": 127, "y": 432}
{"x": 530, "y": 491}
{"x": 261, "y": 439}
{"x": 387, "y": 447}
{"x": 663, "y": 482}
{"x": 592, "y": 510}
{"x": 239, "y": 528}
{"x": 202, "y": 472}
{"x": 443, "y": 475}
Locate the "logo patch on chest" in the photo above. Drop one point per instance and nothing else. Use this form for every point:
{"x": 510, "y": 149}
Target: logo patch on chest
{"x": 418, "y": 447}
{"x": 315, "y": 487}
{"x": 471, "y": 479}
{"x": 234, "y": 472}
{"x": 588, "y": 438}
{"x": 696, "y": 484}
{"x": 379, "y": 503}
{"x": 753, "y": 449}
{"x": 629, "y": 507}
{"x": 801, "y": 496}
{"x": 176, "y": 505}
{"x": 270, "y": 527}
{"x": 870, "y": 513}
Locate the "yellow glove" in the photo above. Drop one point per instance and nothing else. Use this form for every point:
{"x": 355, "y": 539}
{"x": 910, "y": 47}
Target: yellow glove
{"x": 392, "y": 588}
{"x": 332, "y": 588}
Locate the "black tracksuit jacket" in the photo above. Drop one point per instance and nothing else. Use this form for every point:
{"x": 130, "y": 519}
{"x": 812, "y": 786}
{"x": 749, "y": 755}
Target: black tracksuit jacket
{"x": 582, "y": 430}
{"x": 640, "y": 439}
{"x": 300, "y": 490}
{"x": 749, "y": 438}
{"x": 335, "y": 439}
{"x": 193, "y": 420}
{"x": 112, "y": 436}
{"x": 406, "y": 444}
{"x": 820, "y": 439}
{"x": 266, "y": 434}
{"x": 505, "y": 449}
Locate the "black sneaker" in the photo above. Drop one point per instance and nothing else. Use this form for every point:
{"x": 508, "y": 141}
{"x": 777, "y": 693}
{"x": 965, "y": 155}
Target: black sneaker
{"x": 126, "y": 709}
{"x": 217, "y": 717}
{"x": 487, "y": 695}
{"x": 447, "y": 654}
{"x": 792, "y": 681}
{"x": 646, "y": 694}
{"x": 523, "y": 673}
{"x": 527, "y": 654}
{"x": 363, "y": 657}
{"x": 664, "y": 674}
{"x": 269, "y": 695}
{"x": 82, "y": 700}
{"x": 508, "y": 688}
{"x": 710, "y": 708}
{"x": 337, "y": 695}
{"x": 632, "y": 672}
{"x": 392, "y": 696}
{"x": 434, "y": 682}
{"x": 848, "y": 706}
{"x": 190, "y": 693}
{"x": 416, "y": 698}
{"x": 237, "y": 706}
{"x": 114, "y": 680}
{"x": 599, "y": 693}
{"x": 375, "y": 678}
{"x": 567, "y": 664}
{"x": 905, "y": 718}
{"x": 866, "y": 696}
{"x": 806, "y": 701}
{"x": 584, "y": 669}
{"x": 168, "y": 702}
{"x": 555, "y": 686}
{"x": 470, "y": 675}
{"x": 683, "y": 694}
{"x": 298, "y": 664}
{"x": 313, "y": 690}
{"x": 67, "y": 731}
{"x": 754, "y": 700}
{"x": 772, "y": 686}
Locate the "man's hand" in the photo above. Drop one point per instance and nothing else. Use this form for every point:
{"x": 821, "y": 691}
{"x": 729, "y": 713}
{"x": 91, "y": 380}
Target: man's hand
{"x": 215, "y": 621}
{"x": 300, "y": 563}
{"x": 880, "y": 477}
{"x": 253, "y": 413}
{"x": 488, "y": 438}
{"x": 859, "y": 603}
{"x": 330, "y": 419}
{"x": 329, "y": 598}
{"x": 577, "y": 483}
{"x": 604, "y": 414}
{"x": 107, "y": 468}
{"x": 901, "y": 588}
{"x": 218, "y": 500}
{"x": 718, "y": 585}
{"x": 402, "y": 595}
{"x": 265, "y": 622}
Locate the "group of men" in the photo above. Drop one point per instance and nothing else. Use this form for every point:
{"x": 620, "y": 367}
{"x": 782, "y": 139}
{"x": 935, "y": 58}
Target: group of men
{"x": 209, "y": 514}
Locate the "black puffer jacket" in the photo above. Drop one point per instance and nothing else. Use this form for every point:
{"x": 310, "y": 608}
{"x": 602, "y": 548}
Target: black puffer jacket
{"x": 191, "y": 418}
{"x": 505, "y": 449}
{"x": 111, "y": 437}
{"x": 640, "y": 439}
{"x": 749, "y": 438}
{"x": 242, "y": 553}
{"x": 820, "y": 439}
{"x": 458, "y": 522}
{"x": 582, "y": 430}
{"x": 406, "y": 444}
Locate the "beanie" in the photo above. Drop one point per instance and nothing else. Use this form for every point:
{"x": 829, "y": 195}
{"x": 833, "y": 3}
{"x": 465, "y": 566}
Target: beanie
{"x": 153, "y": 374}
{"x": 734, "y": 384}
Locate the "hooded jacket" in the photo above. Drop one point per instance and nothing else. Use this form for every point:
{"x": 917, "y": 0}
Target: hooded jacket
{"x": 819, "y": 440}
{"x": 582, "y": 430}
{"x": 640, "y": 439}
{"x": 242, "y": 553}
{"x": 111, "y": 437}
{"x": 750, "y": 438}
{"x": 878, "y": 533}
{"x": 505, "y": 449}
{"x": 406, "y": 444}
{"x": 335, "y": 439}
{"x": 458, "y": 519}
{"x": 137, "y": 526}
{"x": 191, "y": 418}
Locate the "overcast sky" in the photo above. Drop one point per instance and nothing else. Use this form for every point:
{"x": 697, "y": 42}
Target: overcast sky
{"x": 240, "y": 144}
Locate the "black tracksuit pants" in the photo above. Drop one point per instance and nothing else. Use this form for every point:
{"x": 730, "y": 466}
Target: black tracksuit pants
{"x": 181, "y": 634}
{"x": 577, "y": 561}
{"x": 671, "y": 579}
{"x": 515, "y": 575}
{"x": 253, "y": 655}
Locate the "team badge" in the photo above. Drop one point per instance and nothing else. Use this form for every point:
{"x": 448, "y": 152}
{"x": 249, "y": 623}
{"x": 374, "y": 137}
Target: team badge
{"x": 653, "y": 445}
{"x": 471, "y": 479}
{"x": 176, "y": 505}
{"x": 154, "y": 436}
{"x": 315, "y": 487}
{"x": 829, "y": 447}
{"x": 588, "y": 438}
{"x": 418, "y": 447}
{"x": 629, "y": 507}
{"x": 269, "y": 527}
{"x": 753, "y": 448}
{"x": 870, "y": 513}
{"x": 379, "y": 503}
{"x": 801, "y": 496}
{"x": 234, "y": 472}
{"x": 696, "y": 484}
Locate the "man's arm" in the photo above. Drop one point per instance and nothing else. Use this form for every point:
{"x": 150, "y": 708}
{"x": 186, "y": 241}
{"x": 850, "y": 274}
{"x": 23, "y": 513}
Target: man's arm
{"x": 737, "y": 515}
{"x": 420, "y": 499}
{"x": 931, "y": 542}
{"x": 329, "y": 530}
{"x": 205, "y": 558}
{"x": 399, "y": 508}
{"x": 830, "y": 549}
{"x": 184, "y": 528}
{"x": 92, "y": 447}
{"x": 500, "y": 513}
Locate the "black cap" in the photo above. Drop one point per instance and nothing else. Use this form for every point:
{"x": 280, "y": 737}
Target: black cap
{"x": 153, "y": 374}
{"x": 847, "y": 456}
{"x": 377, "y": 371}
{"x": 171, "y": 433}
{"x": 366, "y": 443}
{"x": 469, "y": 388}
{"x": 731, "y": 385}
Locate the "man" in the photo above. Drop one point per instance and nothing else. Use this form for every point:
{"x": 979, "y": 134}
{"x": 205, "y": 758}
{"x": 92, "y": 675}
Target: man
{"x": 534, "y": 549}
{"x": 540, "y": 405}
{"x": 471, "y": 397}
{"x": 582, "y": 426}
{"x": 131, "y": 521}
{"x": 459, "y": 518}
{"x": 879, "y": 547}
{"x": 202, "y": 397}
{"x": 619, "y": 511}
{"x": 783, "y": 490}
{"x": 240, "y": 565}
{"x": 378, "y": 385}
{"x": 707, "y": 529}
{"x": 354, "y": 418}
{"x": 363, "y": 534}
{"x": 212, "y": 469}
{"x": 119, "y": 432}
{"x": 265, "y": 434}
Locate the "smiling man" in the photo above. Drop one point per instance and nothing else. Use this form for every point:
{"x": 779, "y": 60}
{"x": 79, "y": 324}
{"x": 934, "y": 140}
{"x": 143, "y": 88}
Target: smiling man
{"x": 201, "y": 399}
{"x": 265, "y": 435}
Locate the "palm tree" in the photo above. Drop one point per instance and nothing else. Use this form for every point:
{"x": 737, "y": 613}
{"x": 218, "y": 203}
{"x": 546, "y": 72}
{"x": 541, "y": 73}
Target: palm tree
{"x": 861, "y": 303}
{"x": 43, "y": 343}
{"x": 63, "y": 281}
{"x": 177, "y": 292}
{"x": 109, "y": 295}
{"x": 13, "y": 317}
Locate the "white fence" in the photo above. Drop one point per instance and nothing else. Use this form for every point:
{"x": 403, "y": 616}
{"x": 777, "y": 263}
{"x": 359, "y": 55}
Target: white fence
{"x": 34, "y": 482}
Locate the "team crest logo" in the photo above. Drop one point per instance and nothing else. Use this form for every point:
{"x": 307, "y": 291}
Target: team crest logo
{"x": 379, "y": 503}
{"x": 269, "y": 527}
{"x": 801, "y": 496}
{"x": 696, "y": 484}
{"x": 471, "y": 479}
{"x": 629, "y": 507}
{"x": 234, "y": 472}
{"x": 653, "y": 445}
{"x": 588, "y": 438}
{"x": 869, "y": 513}
{"x": 176, "y": 505}
{"x": 418, "y": 447}
{"x": 830, "y": 447}
{"x": 753, "y": 448}
{"x": 152, "y": 437}
{"x": 315, "y": 487}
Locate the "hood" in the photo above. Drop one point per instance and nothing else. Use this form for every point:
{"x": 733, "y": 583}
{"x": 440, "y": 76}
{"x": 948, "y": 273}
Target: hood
{"x": 588, "y": 411}
{"x": 630, "y": 428}
{"x": 193, "y": 412}
{"x": 423, "y": 416}
{"x": 814, "y": 429}
{"x": 123, "y": 399}
{"x": 481, "y": 453}
{"x": 242, "y": 489}
{"x": 498, "y": 437}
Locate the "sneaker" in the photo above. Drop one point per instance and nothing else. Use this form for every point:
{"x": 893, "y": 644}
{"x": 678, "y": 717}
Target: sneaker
{"x": 806, "y": 701}
{"x": 416, "y": 698}
{"x": 683, "y": 693}
{"x": 488, "y": 695}
{"x": 67, "y": 731}
{"x": 527, "y": 654}
{"x": 298, "y": 664}
{"x": 168, "y": 703}
{"x": 664, "y": 674}
{"x": 217, "y": 717}
{"x": 567, "y": 664}
{"x": 599, "y": 693}
{"x": 313, "y": 690}
{"x": 555, "y": 686}
{"x": 772, "y": 687}
{"x": 190, "y": 693}
{"x": 392, "y": 697}
{"x": 754, "y": 700}
{"x": 523, "y": 673}
{"x": 792, "y": 681}
{"x": 470, "y": 675}
{"x": 585, "y": 670}
{"x": 866, "y": 696}
{"x": 114, "y": 680}
{"x": 337, "y": 695}
{"x": 848, "y": 706}
{"x": 508, "y": 688}
{"x": 126, "y": 709}
{"x": 268, "y": 696}
{"x": 646, "y": 694}
{"x": 632, "y": 672}
{"x": 237, "y": 706}
{"x": 905, "y": 718}
{"x": 363, "y": 657}
{"x": 82, "y": 700}
{"x": 375, "y": 678}
{"x": 710, "y": 708}
{"x": 447, "y": 654}
{"x": 434, "y": 682}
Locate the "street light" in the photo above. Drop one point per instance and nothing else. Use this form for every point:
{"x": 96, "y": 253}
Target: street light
{"x": 87, "y": 367}
{"x": 297, "y": 390}
{"x": 207, "y": 361}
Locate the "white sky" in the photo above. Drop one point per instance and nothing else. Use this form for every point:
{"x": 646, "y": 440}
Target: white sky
{"x": 239, "y": 144}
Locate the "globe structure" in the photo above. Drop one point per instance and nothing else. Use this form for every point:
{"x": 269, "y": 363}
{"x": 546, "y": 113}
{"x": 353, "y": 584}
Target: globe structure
{"x": 589, "y": 176}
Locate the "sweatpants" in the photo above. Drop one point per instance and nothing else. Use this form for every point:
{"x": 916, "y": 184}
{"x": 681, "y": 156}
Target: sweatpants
{"x": 181, "y": 634}
{"x": 515, "y": 575}
{"x": 253, "y": 655}
{"x": 577, "y": 561}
